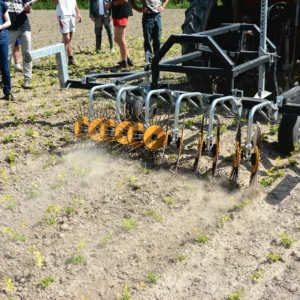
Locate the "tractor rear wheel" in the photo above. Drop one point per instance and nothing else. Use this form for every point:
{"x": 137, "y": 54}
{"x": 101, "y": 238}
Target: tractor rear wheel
{"x": 288, "y": 133}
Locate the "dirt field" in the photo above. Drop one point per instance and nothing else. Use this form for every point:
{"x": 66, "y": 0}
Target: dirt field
{"x": 80, "y": 221}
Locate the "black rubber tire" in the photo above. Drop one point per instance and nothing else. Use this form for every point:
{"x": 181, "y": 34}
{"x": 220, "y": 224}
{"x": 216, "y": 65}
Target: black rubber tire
{"x": 288, "y": 133}
{"x": 196, "y": 17}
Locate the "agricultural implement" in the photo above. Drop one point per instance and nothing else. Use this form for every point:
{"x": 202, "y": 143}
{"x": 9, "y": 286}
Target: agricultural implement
{"x": 231, "y": 65}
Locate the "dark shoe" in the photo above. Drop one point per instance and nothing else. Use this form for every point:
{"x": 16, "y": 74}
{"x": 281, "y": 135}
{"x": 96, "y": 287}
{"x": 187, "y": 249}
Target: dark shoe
{"x": 130, "y": 62}
{"x": 72, "y": 61}
{"x": 122, "y": 66}
{"x": 9, "y": 97}
{"x": 27, "y": 84}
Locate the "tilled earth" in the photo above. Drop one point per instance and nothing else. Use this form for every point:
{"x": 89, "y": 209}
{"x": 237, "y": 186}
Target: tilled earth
{"x": 84, "y": 221}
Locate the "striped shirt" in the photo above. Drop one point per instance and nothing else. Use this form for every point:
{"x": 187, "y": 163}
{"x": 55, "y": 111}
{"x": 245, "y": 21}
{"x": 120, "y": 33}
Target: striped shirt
{"x": 18, "y": 21}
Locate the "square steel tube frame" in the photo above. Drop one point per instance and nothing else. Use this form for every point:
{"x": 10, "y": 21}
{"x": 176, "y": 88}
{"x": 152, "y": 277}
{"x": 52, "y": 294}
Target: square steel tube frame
{"x": 228, "y": 68}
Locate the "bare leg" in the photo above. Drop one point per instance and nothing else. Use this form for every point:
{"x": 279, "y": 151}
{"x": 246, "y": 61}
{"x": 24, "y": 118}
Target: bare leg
{"x": 67, "y": 39}
{"x": 120, "y": 39}
{"x": 16, "y": 54}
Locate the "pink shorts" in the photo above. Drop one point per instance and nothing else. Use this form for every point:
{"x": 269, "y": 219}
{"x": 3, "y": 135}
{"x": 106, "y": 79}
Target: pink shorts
{"x": 120, "y": 22}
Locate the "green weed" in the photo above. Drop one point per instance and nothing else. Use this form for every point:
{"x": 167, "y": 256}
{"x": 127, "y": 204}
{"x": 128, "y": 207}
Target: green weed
{"x": 273, "y": 256}
{"x": 258, "y": 275}
{"x": 190, "y": 187}
{"x": 240, "y": 206}
{"x": 11, "y": 157}
{"x": 104, "y": 240}
{"x": 152, "y": 278}
{"x": 11, "y": 233}
{"x": 44, "y": 283}
{"x": 180, "y": 257}
{"x": 286, "y": 240}
{"x": 77, "y": 256}
{"x": 51, "y": 214}
{"x": 126, "y": 293}
{"x": 69, "y": 210}
{"x": 37, "y": 254}
{"x": 152, "y": 213}
{"x": 129, "y": 224}
{"x": 238, "y": 295}
{"x": 33, "y": 190}
{"x": 224, "y": 219}
{"x": 169, "y": 200}
{"x": 201, "y": 238}
{"x": 8, "y": 139}
{"x": 145, "y": 171}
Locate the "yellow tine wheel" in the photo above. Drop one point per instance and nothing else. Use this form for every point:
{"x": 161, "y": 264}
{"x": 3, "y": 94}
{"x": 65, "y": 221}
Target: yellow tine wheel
{"x": 154, "y": 137}
{"x": 135, "y": 135}
{"x": 107, "y": 131}
{"x": 94, "y": 129}
{"x": 122, "y": 131}
{"x": 81, "y": 128}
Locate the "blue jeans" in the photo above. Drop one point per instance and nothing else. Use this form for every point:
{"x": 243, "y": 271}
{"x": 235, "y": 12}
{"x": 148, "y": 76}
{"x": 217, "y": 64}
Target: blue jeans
{"x": 4, "y": 68}
{"x": 152, "y": 29}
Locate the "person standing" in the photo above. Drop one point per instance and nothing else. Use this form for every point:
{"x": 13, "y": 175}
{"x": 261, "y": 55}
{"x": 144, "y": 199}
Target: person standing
{"x": 100, "y": 16}
{"x": 151, "y": 22}
{"x": 4, "y": 67}
{"x": 121, "y": 10}
{"x": 20, "y": 28}
{"x": 66, "y": 11}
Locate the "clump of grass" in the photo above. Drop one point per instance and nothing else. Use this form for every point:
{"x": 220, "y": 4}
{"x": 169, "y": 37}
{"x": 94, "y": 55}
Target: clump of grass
{"x": 258, "y": 275}
{"x": 286, "y": 240}
{"x": 129, "y": 224}
{"x": 201, "y": 238}
{"x": 152, "y": 213}
{"x": 238, "y": 295}
{"x": 44, "y": 283}
{"x": 152, "y": 278}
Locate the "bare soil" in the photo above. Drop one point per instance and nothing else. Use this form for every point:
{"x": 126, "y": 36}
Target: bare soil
{"x": 103, "y": 224}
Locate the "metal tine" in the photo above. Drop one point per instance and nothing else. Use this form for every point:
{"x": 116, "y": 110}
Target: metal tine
{"x": 255, "y": 157}
{"x": 200, "y": 146}
{"x": 216, "y": 148}
{"x": 166, "y": 141}
{"x": 237, "y": 156}
{"x": 181, "y": 143}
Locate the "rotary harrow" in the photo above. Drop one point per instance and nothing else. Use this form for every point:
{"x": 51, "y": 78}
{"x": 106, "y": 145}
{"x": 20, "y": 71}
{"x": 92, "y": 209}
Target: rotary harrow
{"x": 149, "y": 116}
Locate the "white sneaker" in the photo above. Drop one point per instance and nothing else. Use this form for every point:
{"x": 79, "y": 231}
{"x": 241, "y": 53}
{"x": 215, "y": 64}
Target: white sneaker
{"x": 18, "y": 68}
{"x": 112, "y": 50}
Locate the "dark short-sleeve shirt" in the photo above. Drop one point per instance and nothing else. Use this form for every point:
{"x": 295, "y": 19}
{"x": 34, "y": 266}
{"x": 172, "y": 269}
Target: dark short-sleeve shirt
{"x": 122, "y": 11}
{"x": 19, "y": 21}
{"x": 3, "y": 33}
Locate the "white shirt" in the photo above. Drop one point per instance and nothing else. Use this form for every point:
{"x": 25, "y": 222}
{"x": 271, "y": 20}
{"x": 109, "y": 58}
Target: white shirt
{"x": 66, "y": 8}
{"x": 101, "y": 8}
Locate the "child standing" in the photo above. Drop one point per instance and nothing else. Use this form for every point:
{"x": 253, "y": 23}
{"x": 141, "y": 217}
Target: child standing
{"x": 66, "y": 11}
{"x": 101, "y": 17}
